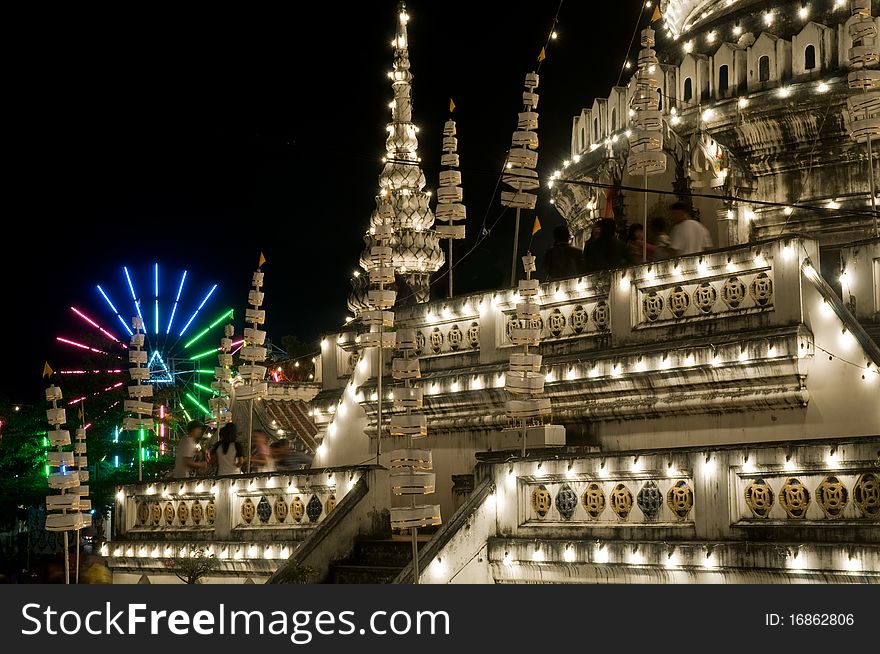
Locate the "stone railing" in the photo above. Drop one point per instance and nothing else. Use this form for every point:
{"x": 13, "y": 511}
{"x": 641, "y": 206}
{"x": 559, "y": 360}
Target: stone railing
{"x": 736, "y": 309}
{"x": 250, "y": 523}
{"x": 790, "y": 508}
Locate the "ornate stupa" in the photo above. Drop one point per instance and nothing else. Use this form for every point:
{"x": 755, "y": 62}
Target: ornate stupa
{"x": 416, "y": 249}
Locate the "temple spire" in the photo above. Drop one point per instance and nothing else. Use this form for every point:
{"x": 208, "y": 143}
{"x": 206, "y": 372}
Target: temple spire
{"x": 416, "y": 251}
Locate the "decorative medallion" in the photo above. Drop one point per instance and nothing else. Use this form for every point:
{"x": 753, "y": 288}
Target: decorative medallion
{"x": 594, "y": 500}
{"x": 652, "y": 305}
{"x": 455, "y": 337}
{"x": 143, "y": 513}
{"x": 353, "y": 359}
{"x": 541, "y": 500}
{"x": 679, "y": 301}
{"x": 168, "y": 513}
{"x": 759, "y": 497}
{"x": 537, "y": 323}
{"x": 832, "y": 496}
{"x": 680, "y": 499}
{"x": 556, "y": 323}
{"x": 210, "y": 512}
{"x": 566, "y": 501}
{"x": 436, "y": 338}
{"x": 650, "y": 500}
{"x": 512, "y": 323}
{"x": 314, "y": 509}
{"x": 420, "y": 341}
{"x": 297, "y": 509}
{"x": 794, "y": 498}
{"x": 197, "y": 513}
{"x": 248, "y": 510}
{"x": 182, "y": 513}
{"x": 264, "y": 510}
{"x": 473, "y": 335}
{"x": 280, "y": 509}
{"x": 155, "y": 514}
{"x": 621, "y": 501}
{"x": 866, "y": 494}
{"x": 579, "y": 319}
{"x": 733, "y": 292}
{"x": 602, "y": 315}
{"x": 330, "y": 504}
{"x": 705, "y": 297}
{"x": 761, "y": 289}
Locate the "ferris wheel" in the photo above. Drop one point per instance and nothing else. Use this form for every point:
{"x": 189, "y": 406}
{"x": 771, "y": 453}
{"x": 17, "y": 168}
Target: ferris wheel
{"x": 183, "y": 320}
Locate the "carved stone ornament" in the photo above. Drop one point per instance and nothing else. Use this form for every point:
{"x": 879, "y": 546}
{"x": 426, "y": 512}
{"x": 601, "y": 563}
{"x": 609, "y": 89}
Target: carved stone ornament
{"x": 866, "y": 494}
{"x": 314, "y": 508}
{"x": 279, "y": 507}
{"x": 593, "y": 500}
{"x": 794, "y": 498}
{"x": 621, "y": 501}
{"x": 832, "y": 496}
{"x": 680, "y": 499}
{"x": 264, "y": 510}
{"x": 197, "y": 513}
{"x": 541, "y": 500}
{"x": 653, "y": 306}
{"x": 297, "y": 509}
{"x": 759, "y": 497}
{"x": 566, "y": 501}
{"x": 248, "y": 510}
{"x": 650, "y": 500}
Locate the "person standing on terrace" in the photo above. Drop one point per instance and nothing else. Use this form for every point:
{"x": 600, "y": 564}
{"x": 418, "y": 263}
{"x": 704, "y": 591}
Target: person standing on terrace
{"x": 563, "y": 259}
{"x": 688, "y": 236}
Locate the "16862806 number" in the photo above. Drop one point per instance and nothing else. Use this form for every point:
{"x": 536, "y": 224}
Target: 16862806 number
{"x": 821, "y": 619}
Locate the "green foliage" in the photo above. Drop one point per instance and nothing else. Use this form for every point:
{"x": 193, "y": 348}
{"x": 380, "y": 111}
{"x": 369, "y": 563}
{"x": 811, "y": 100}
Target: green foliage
{"x": 22, "y": 461}
{"x": 294, "y": 573}
{"x": 197, "y": 563}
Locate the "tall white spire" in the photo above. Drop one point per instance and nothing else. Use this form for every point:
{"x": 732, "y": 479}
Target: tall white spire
{"x": 415, "y": 246}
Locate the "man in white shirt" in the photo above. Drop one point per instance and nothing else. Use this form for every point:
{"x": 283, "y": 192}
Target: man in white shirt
{"x": 688, "y": 236}
{"x": 184, "y": 462}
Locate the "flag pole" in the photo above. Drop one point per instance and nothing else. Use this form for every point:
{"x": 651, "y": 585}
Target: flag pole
{"x": 515, "y": 250}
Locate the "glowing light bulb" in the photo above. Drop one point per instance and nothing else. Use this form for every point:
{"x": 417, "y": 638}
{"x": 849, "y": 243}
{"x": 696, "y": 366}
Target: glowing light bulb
{"x": 688, "y": 46}
{"x": 822, "y": 87}
{"x": 742, "y": 103}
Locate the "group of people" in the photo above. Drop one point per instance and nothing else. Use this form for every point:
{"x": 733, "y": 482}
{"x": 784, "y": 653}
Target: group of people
{"x": 605, "y": 249}
{"x": 227, "y": 455}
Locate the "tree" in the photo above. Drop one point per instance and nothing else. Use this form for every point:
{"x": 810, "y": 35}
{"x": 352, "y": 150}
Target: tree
{"x": 194, "y": 565}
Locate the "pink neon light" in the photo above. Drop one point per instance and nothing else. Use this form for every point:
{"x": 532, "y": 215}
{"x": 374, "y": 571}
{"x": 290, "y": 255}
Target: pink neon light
{"x": 89, "y": 372}
{"x": 97, "y": 326}
{"x": 76, "y": 401}
{"x": 80, "y": 345}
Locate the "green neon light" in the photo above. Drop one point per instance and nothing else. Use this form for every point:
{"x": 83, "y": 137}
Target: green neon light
{"x": 205, "y": 388}
{"x": 45, "y": 442}
{"x": 199, "y": 405}
{"x": 205, "y": 331}
{"x": 207, "y": 353}
{"x": 205, "y": 372}
{"x": 141, "y": 436}
{"x": 186, "y": 413}
{"x": 47, "y": 469}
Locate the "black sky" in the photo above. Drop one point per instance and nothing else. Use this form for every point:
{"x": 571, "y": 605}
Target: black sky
{"x": 140, "y": 134}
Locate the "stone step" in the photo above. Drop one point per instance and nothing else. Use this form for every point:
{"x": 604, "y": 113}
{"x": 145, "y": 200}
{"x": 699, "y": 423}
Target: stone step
{"x": 382, "y": 552}
{"x": 344, "y": 573}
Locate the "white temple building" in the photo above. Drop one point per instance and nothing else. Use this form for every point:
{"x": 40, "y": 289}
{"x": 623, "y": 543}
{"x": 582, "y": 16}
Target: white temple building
{"x": 719, "y": 412}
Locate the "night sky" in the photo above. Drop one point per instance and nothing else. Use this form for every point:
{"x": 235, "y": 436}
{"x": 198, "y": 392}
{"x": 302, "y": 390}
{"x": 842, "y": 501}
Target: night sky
{"x": 141, "y": 134}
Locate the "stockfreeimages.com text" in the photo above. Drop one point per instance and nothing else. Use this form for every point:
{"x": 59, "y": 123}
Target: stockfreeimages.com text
{"x": 300, "y": 626}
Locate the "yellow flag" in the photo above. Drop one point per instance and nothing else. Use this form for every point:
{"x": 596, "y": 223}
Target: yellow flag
{"x": 262, "y": 260}
{"x": 536, "y": 227}
{"x": 657, "y": 15}
{"x": 542, "y": 55}
{"x": 79, "y": 414}
{"x": 47, "y": 371}
{"x": 451, "y": 105}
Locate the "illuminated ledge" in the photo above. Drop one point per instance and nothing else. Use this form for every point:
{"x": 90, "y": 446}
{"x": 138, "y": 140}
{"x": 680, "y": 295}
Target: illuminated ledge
{"x": 591, "y": 561}
{"x": 754, "y": 371}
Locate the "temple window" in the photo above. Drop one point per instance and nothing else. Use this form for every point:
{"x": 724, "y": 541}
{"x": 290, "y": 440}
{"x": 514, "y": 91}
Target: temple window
{"x": 688, "y": 90}
{"x": 614, "y": 119}
{"x": 659, "y": 100}
{"x": 723, "y": 81}
{"x": 764, "y": 69}
{"x": 810, "y": 57}
{"x": 595, "y": 130}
